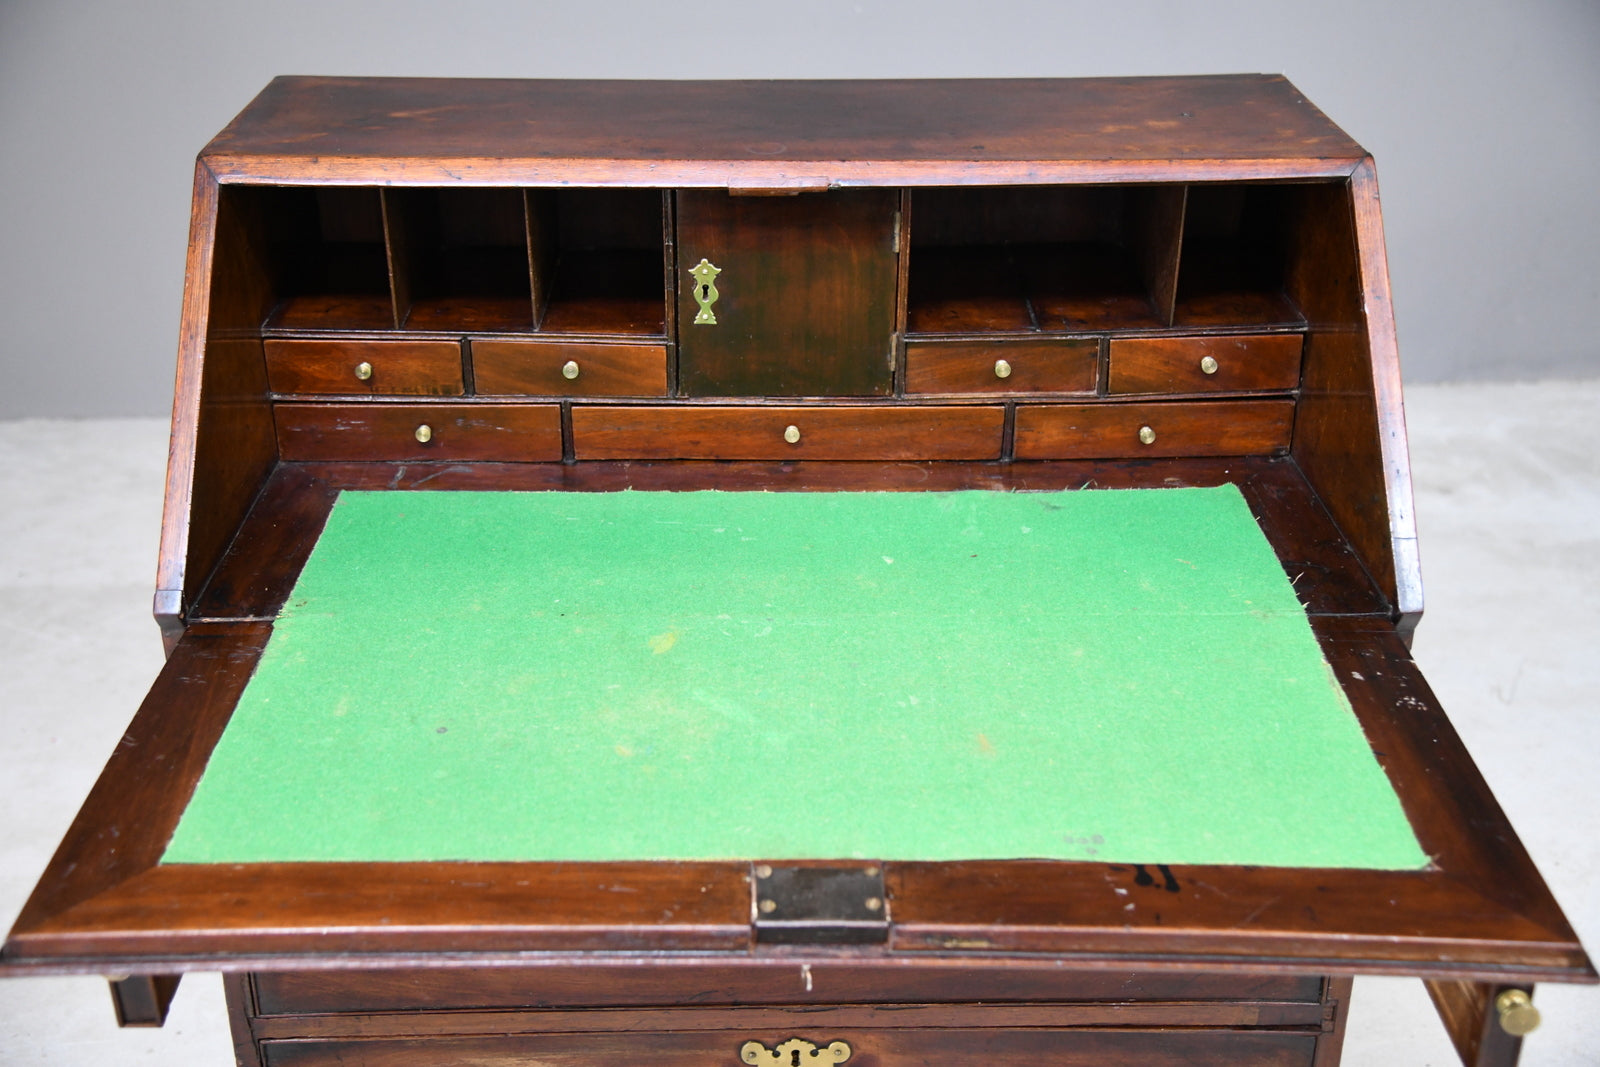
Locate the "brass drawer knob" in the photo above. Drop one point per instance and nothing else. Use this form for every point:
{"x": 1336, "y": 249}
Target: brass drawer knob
{"x": 569, "y": 369}
{"x": 1002, "y": 369}
{"x": 363, "y": 370}
{"x": 1518, "y": 1016}
{"x": 424, "y": 434}
{"x": 791, "y": 434}
{"x": 795, "y": 1050}
{"x": 1147, "y": 436}
{"x": 1208, "y": 365}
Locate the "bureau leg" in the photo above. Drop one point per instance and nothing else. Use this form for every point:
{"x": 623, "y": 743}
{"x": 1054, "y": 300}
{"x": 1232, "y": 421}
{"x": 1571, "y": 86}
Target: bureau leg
{"x": 143, "y": 999}
{"x": 1481, "y": 1036}
{"x": 240, "y": 991}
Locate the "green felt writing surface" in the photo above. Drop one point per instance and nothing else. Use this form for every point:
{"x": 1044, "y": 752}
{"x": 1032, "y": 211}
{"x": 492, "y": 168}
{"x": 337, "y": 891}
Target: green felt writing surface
{"x": 1114, "y": 675}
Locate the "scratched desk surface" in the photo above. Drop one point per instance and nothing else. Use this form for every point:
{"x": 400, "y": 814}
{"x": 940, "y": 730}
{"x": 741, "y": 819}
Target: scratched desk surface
{"x": 1122, "y": 676}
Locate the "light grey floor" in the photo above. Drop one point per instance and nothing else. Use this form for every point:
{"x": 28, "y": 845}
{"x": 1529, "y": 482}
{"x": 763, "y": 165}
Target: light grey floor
{"x": 1508, "y": 498}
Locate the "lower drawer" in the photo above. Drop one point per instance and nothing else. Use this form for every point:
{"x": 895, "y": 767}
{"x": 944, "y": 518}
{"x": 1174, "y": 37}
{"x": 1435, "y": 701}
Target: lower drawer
{"x": 789, "y": 432}
{"x": 1182, "y": 428}
{"x": 390, "y": 432}
{"x": 638, "y": 987}
{"x": 868, "y": 1048}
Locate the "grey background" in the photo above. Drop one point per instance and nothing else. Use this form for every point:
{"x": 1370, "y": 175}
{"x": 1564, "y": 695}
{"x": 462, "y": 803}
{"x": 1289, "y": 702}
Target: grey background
{"x": 1484, "y": 116}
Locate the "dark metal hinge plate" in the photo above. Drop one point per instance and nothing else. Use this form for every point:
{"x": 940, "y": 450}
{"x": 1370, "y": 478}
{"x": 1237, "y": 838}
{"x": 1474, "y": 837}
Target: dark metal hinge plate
{"x": 819, "y": 905}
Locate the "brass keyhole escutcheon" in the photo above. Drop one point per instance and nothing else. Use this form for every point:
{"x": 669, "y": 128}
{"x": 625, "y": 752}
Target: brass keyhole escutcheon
{"x": 1208, "y": 365}
{"x": 1147, "y": 436}
{"x": 363, "y": 370}
{"x": 424, "y": 434}
{"x": 795, "y": 1052}
{"x": 569, "y": 369}
{"x": 1002, "y": 368}
{"x": 1518, "y": 1016}
{"x": 705, "y": 291}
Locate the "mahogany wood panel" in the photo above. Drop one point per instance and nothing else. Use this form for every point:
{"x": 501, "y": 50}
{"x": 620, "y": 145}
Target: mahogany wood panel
{"x": 340, "y": 311}
{"x": 534, "y": 368}
{"x": 757, "y": 432}
{"x": 761, "y": 981}
{"x": 1336, "y": 1006}
{"x": 222, "y": 445}
{"x": 887, "y": 1048}
{"x": 265, "y": 911}
{"x": 807, "y": 293}
{"x": 506, "y": 432}
{"x": 237, "y": 990}
{"x": 400, "y": 368}
{"x": 260, "y": 568}
{"x": 1156, "y": 232}
{"x": 1195, "y": 428}
{"x": 772, "y": 134}
{"x": 1252, "y": 363}
{"x": 124, "y": 825}
{"x": 1350, "y": 430}
{"x": 1125, "y": 1013}
{"x": 1055, "y": 366}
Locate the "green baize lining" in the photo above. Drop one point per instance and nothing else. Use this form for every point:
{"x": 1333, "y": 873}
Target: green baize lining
{"x": 1110, "y": 675}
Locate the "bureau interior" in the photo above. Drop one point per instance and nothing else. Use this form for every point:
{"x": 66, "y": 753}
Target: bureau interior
{"x": 1134, "y": 322}
{"x": 982, "y": 261}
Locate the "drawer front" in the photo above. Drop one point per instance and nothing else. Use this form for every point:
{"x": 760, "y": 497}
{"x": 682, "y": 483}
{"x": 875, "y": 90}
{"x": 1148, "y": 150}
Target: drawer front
{"x": 1205, "y": 364}
{"x": 640, "y": 986}
{"x": 1193, "y": 428}
{"x": 545, "y": 368}
{"x": 382, "y": 368}
{"x": 878, "y": 433}
{"x": 390, "y": 432}
{"x": 1069, "y": 366}
{"x": 869, "y": 1048}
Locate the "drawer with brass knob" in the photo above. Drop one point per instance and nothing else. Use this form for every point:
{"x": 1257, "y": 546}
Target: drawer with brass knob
{"x": 1067, "y": 365}
{"x": 355, "y": 366}
{"x": 509, "y": 433}
{"x": 1254, "y": 363}
{"x": 695, "y": 431}
{"x": 560, "y": 368}
{"x": 1192, "y": 428}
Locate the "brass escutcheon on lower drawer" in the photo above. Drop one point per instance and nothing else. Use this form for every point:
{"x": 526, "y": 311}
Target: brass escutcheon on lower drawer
{"x": 795, "y": 1052}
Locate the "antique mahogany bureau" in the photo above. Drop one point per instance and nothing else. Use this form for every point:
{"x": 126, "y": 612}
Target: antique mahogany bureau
{"x": 1032, "y": 285}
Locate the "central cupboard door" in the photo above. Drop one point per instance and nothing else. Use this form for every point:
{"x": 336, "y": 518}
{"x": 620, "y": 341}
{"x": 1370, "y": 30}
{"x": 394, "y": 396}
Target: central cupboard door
{"x": 805, "y": 293}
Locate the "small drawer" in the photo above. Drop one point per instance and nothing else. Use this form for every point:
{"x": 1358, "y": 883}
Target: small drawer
{"x": 1260, "y": 363}
{"x": 380, "y": 368}
{"x": 790, "y": 432}
{"x": 1114, "y": 431}
{"x": 392, "y": 432}
{"x": 553, "y": 368}
{"x": 1060, "y": 366}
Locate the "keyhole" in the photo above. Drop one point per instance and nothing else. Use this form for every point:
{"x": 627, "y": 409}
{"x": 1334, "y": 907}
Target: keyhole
{"x": 794, "y": 1057}
{"x": 705, "y": 291}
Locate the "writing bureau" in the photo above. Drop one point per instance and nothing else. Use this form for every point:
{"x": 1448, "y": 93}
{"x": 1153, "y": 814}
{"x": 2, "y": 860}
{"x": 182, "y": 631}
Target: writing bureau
{"x": 887, "y": 290}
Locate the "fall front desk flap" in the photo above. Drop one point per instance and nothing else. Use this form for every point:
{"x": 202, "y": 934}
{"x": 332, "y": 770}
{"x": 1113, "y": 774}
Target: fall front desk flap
{"x": 1121, "y": 676}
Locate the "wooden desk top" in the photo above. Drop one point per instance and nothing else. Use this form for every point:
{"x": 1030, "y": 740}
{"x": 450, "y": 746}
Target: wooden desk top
{"x": 780, "y": 133}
